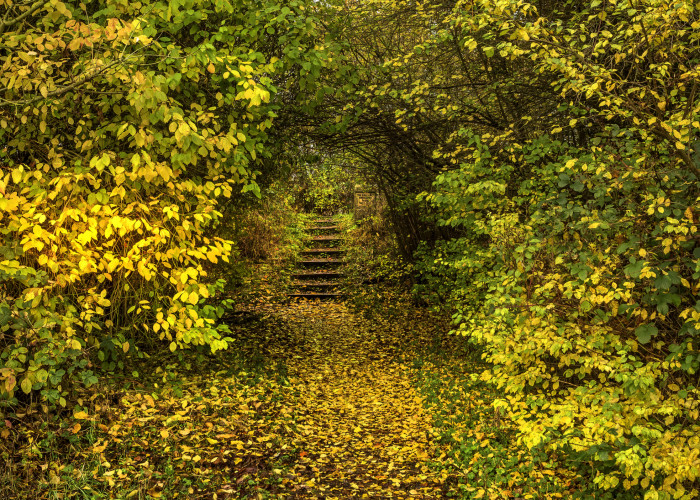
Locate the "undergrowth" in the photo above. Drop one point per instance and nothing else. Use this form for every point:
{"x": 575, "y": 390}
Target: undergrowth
{"x": 481, "y": 457}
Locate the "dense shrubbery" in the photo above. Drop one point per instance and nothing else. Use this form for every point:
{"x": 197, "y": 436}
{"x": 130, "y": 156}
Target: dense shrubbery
{"x": 579, "y": 262}
{"x": 326, "y": 188}
{"x": 123, "y": 126}
{"x": 586, "y": 308}
{"x": 268, "y": 229}
{"x": 561, "y": 229}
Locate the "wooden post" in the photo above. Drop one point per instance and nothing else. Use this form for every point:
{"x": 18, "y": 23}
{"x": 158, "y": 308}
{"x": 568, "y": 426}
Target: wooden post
{"x": 365, "y": 202}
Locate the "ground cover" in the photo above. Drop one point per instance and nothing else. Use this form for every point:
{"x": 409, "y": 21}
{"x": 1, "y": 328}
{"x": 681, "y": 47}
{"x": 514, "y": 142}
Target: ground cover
{"x": 314, "y": 400}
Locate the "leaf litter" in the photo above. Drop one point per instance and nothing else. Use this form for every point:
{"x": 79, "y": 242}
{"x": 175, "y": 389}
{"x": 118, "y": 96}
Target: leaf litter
{"x": 312, "y": 401}
{"x": 359, "y": 425}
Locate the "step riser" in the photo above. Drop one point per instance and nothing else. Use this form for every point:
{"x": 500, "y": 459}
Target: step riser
{"x": 317, "y": 276}
{"x": 317, "y": 285}
{"x": 323, "y": 249}
{"x": 318, "y": 264}
{"x": 321, "y": 258}
{"x": 315, "y": 289}
{"x": 321, "y": 255}
{"x": 326, "y": 238}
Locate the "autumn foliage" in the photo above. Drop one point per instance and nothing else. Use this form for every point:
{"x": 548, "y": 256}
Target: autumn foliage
{"x": 124, "y": 125}
{"x": 540, "y": 162}
{"x": 544, "y": 160}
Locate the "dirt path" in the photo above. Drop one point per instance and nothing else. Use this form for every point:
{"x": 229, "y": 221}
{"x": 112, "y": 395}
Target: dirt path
{"x": 359, "y": 425}
{"x": 311, "y": 401}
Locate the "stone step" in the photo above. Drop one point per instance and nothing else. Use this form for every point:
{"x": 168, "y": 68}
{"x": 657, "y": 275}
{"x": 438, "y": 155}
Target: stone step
{"x": 329, "y": 237}
{"x": 322, "y": 273}
{"x": 310, "y": 296}
{"x": 324, "y": 228}
{"x": 316, "y": 284}
{"x": 321, "y": 262}
{"x": 322, "y": 250}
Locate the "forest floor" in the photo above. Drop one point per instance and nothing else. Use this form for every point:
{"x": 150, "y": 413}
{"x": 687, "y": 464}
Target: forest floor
{"x": 313, "y": 400}
{"x": 364, "y": 398}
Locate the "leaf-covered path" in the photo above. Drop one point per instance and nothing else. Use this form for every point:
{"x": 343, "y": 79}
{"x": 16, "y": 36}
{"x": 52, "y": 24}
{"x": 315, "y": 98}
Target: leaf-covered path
{"x": 312, "y": 401}
{"x": 359, "y": 424}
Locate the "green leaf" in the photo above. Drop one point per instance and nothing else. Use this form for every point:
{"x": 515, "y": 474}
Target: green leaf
{"x": 4, "y": 314}
{"x": 645, "y": 332}
{"x": 663, "y": 282}
{"x": 634, "y": 270}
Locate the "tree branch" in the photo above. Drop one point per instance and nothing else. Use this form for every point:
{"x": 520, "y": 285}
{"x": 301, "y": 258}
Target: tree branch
{"x": 37, "y": 5}
{"x": 84, "y": 78}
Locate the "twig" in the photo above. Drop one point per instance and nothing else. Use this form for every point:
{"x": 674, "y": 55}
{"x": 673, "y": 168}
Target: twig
{"x": 6, "y": 24}
{"x": 86, "y": 77}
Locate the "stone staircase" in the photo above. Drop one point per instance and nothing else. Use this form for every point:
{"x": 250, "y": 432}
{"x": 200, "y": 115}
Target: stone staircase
{"x": 319, "y": 271}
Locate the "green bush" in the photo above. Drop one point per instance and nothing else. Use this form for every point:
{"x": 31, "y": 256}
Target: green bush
{"x": 576, "y": 260}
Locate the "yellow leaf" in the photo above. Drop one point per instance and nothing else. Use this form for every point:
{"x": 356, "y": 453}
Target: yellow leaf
{"x": 163, "y": 171}
{"x": 81, "y": 415}
{"x": 17, "y": 175}
{"x": 26, "y": 386}
{"x": 164, "y": 434}
{"x": 193, "y": 298}
{"x": 173, "y": 346}
{"x": 211, "y": 68}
